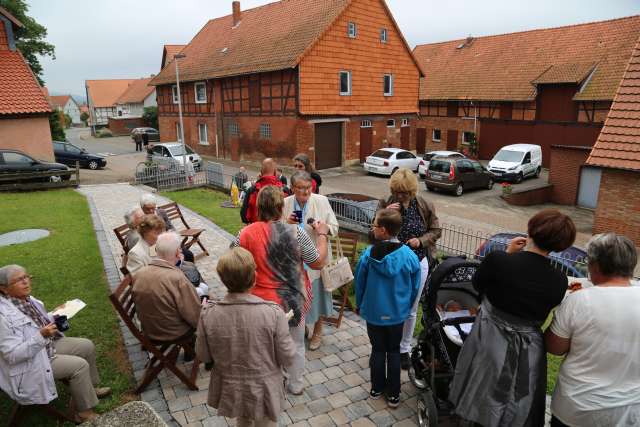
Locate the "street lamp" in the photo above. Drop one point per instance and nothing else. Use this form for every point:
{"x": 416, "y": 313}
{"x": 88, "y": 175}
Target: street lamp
{"x": 184, "y": 149}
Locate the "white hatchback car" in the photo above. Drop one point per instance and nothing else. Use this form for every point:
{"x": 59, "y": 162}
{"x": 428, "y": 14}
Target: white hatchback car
{"x": 424, "y": 163}
{"x": 173, "y": 151}
{"x": 387, "y": 160}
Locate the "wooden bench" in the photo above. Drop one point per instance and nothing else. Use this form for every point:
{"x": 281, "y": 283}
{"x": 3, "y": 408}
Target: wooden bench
{"x": 191, "y": 236}
{"x": 164, "y": 354}
{"x": 349, "y": 243}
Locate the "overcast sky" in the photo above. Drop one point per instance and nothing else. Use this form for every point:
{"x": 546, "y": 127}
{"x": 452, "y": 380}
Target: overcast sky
{"x": 103, "y": 39}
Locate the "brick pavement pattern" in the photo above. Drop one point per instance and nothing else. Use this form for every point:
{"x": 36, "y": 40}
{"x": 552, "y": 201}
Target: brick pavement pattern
{"x": 337, "y": 375}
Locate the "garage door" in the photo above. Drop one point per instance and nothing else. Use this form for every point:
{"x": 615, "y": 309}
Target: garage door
{"x": 589, "y": 187}
{"x": 328, "y": 145}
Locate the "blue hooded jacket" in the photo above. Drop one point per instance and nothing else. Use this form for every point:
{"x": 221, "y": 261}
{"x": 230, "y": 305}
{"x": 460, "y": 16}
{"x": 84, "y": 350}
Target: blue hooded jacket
{"x": 387, "y": 283}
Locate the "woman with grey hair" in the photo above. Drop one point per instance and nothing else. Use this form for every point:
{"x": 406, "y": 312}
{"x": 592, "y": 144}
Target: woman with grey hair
{"x": 149, "y": 205}
{"x": 33, "y": 353}
{"x": 598, "y": 329}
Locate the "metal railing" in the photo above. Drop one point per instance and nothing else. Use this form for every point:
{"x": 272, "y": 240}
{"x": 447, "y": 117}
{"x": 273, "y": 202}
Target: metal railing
{"x": 168, "y": 174}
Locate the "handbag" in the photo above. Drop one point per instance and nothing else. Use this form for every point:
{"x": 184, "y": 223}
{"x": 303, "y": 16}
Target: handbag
{"x": 338, "y": 272}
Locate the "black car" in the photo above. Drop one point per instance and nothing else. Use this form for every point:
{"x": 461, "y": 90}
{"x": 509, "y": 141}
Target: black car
{"x": 69, "y": 154}
{"x": 14, "y": 162}
{"x": 152, "y": 134}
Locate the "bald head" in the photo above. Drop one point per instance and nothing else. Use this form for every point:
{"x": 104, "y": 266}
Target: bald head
{"x": 268, "y": 167}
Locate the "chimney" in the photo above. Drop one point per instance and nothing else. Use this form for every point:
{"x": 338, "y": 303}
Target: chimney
{"x": 237, "y": 15}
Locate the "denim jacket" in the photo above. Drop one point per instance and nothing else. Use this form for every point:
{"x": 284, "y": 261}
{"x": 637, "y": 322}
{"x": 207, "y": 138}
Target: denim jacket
{"x": 25, "y": 370}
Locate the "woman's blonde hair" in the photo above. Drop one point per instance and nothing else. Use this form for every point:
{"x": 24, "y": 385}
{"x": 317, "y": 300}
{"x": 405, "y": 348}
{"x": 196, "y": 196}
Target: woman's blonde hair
{"x": 404, "y": 181}
{"x": 237, "y": 270}
{"x": 270, "y": 203}
{"x": 151, "y": 222}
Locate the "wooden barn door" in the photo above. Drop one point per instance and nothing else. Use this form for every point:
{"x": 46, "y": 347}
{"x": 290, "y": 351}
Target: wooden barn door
{"x": 366, "y": 139}
{"x": 405, "y": 138}
{"x": 328, "y": 145}
{"x": 421, "y": 140}
{"x": 452, "y": 140}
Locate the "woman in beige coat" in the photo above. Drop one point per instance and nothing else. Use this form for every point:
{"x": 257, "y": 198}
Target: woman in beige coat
{"x": 248, "y": 341}
{"x": 314, "y": 206}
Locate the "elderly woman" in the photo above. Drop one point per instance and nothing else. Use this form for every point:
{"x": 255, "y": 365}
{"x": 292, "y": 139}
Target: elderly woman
{"x": 302, "y": 163}
{"x": 149, "y": 205}
{"x": 420, "y": 231}
{"x": 33, "y": 353}
{"x": 501, "y": 372}
{"x": 132, "y": 218}
{"x": 280, "y": 252}
{"x": 140, "y": 255}
{"x": 317, "y": 207}
{"x": 598, "y": 329}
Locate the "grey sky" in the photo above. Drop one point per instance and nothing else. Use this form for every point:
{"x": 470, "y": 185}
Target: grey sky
{"x": 124, "y": 38}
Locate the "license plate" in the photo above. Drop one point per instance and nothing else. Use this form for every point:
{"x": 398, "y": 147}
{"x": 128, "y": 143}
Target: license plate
{"x": 436, "y": 177}
{"x": 497, "y": 173}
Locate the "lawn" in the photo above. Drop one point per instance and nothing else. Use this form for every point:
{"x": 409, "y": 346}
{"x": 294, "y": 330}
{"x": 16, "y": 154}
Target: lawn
{"x": 68, "y": 265}
{"x": 207, "y": 203}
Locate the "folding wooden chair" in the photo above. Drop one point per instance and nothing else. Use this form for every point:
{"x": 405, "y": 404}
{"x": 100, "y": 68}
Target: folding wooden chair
{"x": 191, "y": 236}
{"x": 121, "y": 233}
{"x": 164, "y": 354}
{"x": 349, "y": 243}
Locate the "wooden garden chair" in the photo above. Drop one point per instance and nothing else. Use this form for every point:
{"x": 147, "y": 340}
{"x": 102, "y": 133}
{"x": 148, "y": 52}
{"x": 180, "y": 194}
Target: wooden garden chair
{"x": 164, "y": 354}
{"x": 190, "y": 236}
{"x": 349, "y": 243}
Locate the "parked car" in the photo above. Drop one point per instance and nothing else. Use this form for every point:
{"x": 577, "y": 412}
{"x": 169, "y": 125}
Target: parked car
{"x": 572, "y": 260}
{"x": 153, "y": 134}
{"x": 516, "y": 162}
{"x": 14, "y": 162}
{"x": 457, "y": 175}
{"x": 173, "y": 151}
{"x": 68, "y": 154}
{"x": 388, "y": 160}
{"x": 424, "y": 163}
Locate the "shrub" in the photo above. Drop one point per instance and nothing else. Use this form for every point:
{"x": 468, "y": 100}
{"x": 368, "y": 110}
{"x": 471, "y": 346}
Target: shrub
{"x": 55, "y": 125}
{"x": 84, "y": 117}
{"x": 104, "y": 133}
{"x": 67, "y": 121}
{"x": 150, "y": 117}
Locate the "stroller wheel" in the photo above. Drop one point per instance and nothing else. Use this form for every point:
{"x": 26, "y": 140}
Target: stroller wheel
{"x": 427, "y": 411}
{"x": 418, "y": 383}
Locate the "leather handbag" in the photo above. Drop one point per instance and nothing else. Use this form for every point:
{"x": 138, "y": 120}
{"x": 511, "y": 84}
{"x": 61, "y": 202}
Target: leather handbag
{"x": 338, "y": 272}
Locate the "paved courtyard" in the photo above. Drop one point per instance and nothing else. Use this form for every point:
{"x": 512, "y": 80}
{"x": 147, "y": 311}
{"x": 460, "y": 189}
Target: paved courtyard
{"x": 337, "y": 375}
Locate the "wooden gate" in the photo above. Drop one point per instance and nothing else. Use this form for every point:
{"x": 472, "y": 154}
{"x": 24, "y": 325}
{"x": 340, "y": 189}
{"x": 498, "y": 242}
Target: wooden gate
{"x": 328, "y": 145}
{"x": 405, "y": 138}
{"x": 421, "y": 140}
{"x": 366, "y": 138}
{"x": 452, "y": 140}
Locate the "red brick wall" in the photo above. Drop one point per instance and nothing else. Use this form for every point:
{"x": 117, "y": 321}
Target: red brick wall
{"x": 121, "y": 127}
{"x": 444, "y": 124}
{"x": 619, "y": 204}
{"x": 167, "y": 125}
{"x": 564, "y": 173}
{"x": 530, "y": 197}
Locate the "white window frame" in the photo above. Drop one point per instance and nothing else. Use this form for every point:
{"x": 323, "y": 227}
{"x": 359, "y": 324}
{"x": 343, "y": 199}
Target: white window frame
{"x": 195, "y": 92}
{"x": 174, "y": 93}
{"x": 265, "y": 131}
{"x": 433, "y": 135}
{"x": 391, "y": 121}
{"x": 352, "y": 30}
{"x": 404, "y": 123}
{"x": 366, "y": 124}
{"x": 463, "y": 134}
{"x": 384, "y": 35}
{"x": 206, "y": 134}
{"x": 348, "y": 73}
{"x": 384, "y": 80}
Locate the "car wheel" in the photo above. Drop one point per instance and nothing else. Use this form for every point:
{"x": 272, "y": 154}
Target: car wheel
{"x": 459, "y": 190}
{"x": 393, "y": 171}
{"x": 490, "y": 184}
{"x": 538, "y": 172}
{"x": 427, "y": 410}
{"x": 93, "y": 165}
{"x": 519, "y": 178}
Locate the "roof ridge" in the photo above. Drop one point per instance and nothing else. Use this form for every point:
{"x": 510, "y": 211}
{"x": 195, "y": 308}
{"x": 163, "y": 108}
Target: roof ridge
{"x": 533, "y": 30}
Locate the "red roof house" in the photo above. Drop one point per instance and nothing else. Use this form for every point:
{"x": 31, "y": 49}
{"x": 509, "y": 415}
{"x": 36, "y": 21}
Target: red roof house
{"x": 24, "y": 108}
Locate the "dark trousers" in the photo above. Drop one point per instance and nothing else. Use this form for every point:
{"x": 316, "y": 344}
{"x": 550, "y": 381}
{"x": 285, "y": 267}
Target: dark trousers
{"x": 556, "y": 422}
{"x": 138, "y": 145}
{"x": 385, "y": 358}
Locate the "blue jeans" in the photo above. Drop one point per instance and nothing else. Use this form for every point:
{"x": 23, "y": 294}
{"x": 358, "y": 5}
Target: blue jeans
{"x": 385, "y": 358}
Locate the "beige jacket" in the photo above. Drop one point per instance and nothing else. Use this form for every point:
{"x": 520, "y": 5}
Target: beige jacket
{"x": 167, "y": 303}
{"x": 318, "y": 209}
{"x": 248, "y": 341}
{"x": 139, "y": 256}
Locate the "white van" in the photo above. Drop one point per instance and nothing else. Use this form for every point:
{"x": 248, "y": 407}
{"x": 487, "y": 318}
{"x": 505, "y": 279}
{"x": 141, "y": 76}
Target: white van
{"x": 516, "y": 162}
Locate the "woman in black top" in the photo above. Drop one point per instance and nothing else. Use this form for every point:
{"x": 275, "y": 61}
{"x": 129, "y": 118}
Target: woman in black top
{"x": 302, "y": 162}
{"x": 500, "y": 377}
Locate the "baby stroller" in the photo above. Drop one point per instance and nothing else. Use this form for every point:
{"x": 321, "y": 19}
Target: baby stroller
{"x": 434, "y": 357}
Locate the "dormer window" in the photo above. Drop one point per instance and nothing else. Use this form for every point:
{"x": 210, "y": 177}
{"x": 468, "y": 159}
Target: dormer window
{"x": 352, "y": 30}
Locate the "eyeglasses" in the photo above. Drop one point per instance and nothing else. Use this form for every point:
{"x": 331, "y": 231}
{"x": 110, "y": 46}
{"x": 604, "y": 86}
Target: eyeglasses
{"x": 305, "y": 189}
{"x": 24, "y": 278}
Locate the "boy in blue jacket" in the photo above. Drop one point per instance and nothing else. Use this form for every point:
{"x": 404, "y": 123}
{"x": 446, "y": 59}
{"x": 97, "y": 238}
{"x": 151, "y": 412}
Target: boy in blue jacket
{"x": 387, "y": 282}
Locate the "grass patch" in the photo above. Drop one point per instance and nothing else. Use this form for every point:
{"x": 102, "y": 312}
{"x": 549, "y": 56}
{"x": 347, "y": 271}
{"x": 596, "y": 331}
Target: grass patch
{"x": 67, "y": 265}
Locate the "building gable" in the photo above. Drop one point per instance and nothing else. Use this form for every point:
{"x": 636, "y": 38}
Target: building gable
{"x": 367, "y": 58}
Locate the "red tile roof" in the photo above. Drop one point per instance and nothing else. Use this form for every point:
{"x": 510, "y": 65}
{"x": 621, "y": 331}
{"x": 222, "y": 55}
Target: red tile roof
{"x": 504, "y": 67}
{"x": 618, "y": 145}
{"x": 59, "y": 101}
{"x": 105, "y": 93}
{"x": 20, "y": 92}
{"x": 137, "y": 91}
{"x": 169, "y": 51}
{"x": 270, "y": 37}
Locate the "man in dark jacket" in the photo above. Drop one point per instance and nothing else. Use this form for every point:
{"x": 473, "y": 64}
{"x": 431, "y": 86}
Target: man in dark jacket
{"x": 249, "y": 211}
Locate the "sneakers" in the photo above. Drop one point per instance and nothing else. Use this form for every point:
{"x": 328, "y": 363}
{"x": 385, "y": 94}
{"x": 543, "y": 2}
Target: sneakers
{"x": 393, "y": 401}
{"x": 405, "y": 361}
{"x": 375, "y": 394}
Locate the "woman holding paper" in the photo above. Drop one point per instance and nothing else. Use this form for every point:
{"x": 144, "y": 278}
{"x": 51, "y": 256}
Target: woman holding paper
{"x": 34, "y": 353}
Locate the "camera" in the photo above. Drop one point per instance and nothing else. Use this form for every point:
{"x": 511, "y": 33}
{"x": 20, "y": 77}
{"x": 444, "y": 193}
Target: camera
{"x": 62, "y": 323}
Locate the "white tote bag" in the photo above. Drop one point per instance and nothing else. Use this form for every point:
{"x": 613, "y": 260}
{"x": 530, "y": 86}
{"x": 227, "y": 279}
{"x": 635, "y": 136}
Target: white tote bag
{"x": 338, "y": 272}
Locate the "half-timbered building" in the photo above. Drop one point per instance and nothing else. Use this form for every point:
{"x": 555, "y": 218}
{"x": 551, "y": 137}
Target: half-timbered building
{"x": 334, "y": 79}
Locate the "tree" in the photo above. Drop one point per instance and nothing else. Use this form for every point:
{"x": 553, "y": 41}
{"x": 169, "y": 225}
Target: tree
{"x": 84, "y": 117}
{"x": 55, "y": 124}
{"x": 67, "y": 121}
{"x": 31, "y": 38}
{"x": 150, "y": 117}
